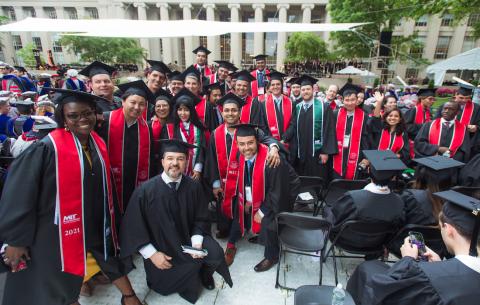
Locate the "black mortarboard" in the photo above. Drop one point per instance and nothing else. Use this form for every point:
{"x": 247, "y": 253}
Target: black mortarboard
{"x": 465, "y": 90}
{"x": 138, "y": 87}
{"x": 348, "y": 89}
{"x": 464, "y": 212}
{"x": 24, "y": 102}
{"x": 292, "y": 80}
{"x": 226, "y": 64}
{"x": 210, "y": 87}
{"x": 164, "y": 96}
{"x": 191, "y": 72}
{"x": 277, "y": 75}
{"x": 43, "y": 122}
{"x": 384, "y": 164}
{"x": 159, "y": 66}
{"x": 244, "y": 75}
{"x": 175, "y": 75}
{"x": 245, "y": 130}
{"x": 260, "y": 57}
{"x": 186, "y": 96}
{"x": 438, "y": 168}
{"x": 20, "y": 69}
{"x": 201, "y": 49}
{"x": 425, "y": 92}
{"x": 175, "y": 145}
{"x": 306, "y": 80}
{"x": 96, "y": 68}
{"x": 231, "y": 98}
{"x": 64, "y": 96}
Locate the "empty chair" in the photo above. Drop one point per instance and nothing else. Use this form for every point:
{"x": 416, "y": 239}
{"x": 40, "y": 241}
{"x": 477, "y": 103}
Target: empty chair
{"x": 318, "y": 295}
{"x": 314, "y": 186}
{"x": 337, "y": 188}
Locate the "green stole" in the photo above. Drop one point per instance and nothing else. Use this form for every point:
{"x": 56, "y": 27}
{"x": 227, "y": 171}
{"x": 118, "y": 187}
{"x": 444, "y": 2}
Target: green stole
{"x": 317, "y": 124}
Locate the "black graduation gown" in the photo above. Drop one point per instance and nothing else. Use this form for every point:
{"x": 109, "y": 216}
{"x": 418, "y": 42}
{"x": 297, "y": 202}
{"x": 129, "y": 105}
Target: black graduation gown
{"x": 412, "y": 128}
{"x": 27, "y": 219}
{"x": 470, "y": 174}
{"x": 366, "y": 206}
{"x": 364, "y": 145}
{"x": 375, "y": 130}
{"x": 103, "y": 106}
{"x": 256, "y": 114}
{"x": 415, "y": 283}
{"x": 300, "y": 135}
{"x": 212, "y": 120}
{"x": 423, "y": 148}
{"x": 155, "y": 215}
{"x": 130, "y": 154}
{"x": 280, "y": 120}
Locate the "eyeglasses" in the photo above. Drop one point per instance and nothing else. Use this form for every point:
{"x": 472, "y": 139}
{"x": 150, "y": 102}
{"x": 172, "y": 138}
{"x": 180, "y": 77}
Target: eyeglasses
{"x": 74, "y": 117}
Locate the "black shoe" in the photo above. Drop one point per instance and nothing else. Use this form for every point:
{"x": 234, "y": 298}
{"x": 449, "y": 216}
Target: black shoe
{"x": 208, "y": 282}
{"x": 253, "y": 239}
{"x": 265, "y": 265}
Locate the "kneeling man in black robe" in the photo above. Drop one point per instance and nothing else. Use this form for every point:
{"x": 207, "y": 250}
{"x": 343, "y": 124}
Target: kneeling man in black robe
{"x": 165, "y": 213}
{"x": 426, "y": 279}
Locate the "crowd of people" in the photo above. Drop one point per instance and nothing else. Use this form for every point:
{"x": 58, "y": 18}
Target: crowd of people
{"x": 143, "y": 168}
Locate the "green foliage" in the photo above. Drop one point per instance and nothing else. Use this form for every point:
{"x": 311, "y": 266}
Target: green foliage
{"x": 108, "y": 50}
{"x": 376, "y": 82}
{"x": 431, "y": 84}
{"x": 26, "y": 54}
{"x": 306, "y": 46}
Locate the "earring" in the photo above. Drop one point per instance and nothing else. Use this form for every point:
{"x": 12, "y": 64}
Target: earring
{"x": 66, "y": 128}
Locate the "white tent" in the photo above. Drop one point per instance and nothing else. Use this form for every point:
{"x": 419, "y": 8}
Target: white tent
{"x": 469, "y": 60}
{"x": 157, "y": 29}
{"x": 350, "y": 70}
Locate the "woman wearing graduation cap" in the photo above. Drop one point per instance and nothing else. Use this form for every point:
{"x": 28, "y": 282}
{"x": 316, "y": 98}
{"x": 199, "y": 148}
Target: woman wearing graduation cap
{"x": 421, "y": 113}
{"x": 188, "y": 128}
{"x": 425, "y": 279}
{"x": 66, "y": 220}
{"x": 163, "y": 111}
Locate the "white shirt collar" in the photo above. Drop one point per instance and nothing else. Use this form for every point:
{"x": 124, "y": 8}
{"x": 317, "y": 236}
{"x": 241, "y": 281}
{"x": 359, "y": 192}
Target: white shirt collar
{"x": 252, "y": 158}
{"x": 470, "y": 261}
{"x": 167, "y": 179}
{"x": 186, "y": 124}
{"x": 308, "y": 102}
{"x": 442, "y": 120}
{"x": 377, "y": 189}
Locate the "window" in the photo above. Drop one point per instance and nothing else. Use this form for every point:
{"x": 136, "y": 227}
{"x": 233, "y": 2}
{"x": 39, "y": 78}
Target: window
{"x": 473, "y": 19}
{"x": 447, "y": 20}
{"x": 38, "y": 43}
{"x": 71, "y": 13}
{"x": 441, "y": 51}
{"x": 416, "y": 51}
{"x": 468, "y": 43}
{"x": 56, "y": 46}
{"x": 91, "y": 12}
{"x": 411, "y": 73}
{"x": 29, "y": 12}
{"x": 51, "y": 12}
{"x": 224, "y": 39}
{"x": 11, "y": 13}
{"x": 422, "y": 21}
{"x": 17, "y": 42}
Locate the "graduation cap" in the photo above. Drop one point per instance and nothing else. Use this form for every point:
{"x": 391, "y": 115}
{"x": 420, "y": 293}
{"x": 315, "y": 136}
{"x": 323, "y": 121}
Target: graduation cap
{"x": 438, "y": 168}
{"x": 226, "y": 64}
{"x": 64, "y": 96}
{"x": 29, "y": 94}
{"x": 244, "y": 75}
{"x": 186, "y": 96}
{"x": 245, "y": 130}
{"x": 175, "y": 145}
{"x": 465, "y": 90}
{"x": 20, "y": 69}
{"x": 425, "y": 92}
{"x": 43, "y": 123}
{"x": 138, "y": 87}
{"x": 384, "y": 164}
{"x": 292, "y": 80}
{"x": 175, "y": 75}
{"x": 96, "y": 68}
{"x": 276, "y": 75}
{"x": 44, "y": 76}
{"x": 159, "y": 66}
{"x": 44, "y": 100}
{"x": 163, "y": 95}
{"x": 231, "y": 98}
{"x": 260, "y": 57}
{"x": 191, "y": 72}
{"x": 201, "y": 49}
{"x": 4, "y": 100}
{"x": 5, "y": 93}
{"x": 208, "y": 88}
{"x": 348, "y": 89}
{"x": 306, "y": 80}
{"x": 464, "y": 212}
{"x": 24, "y": 102}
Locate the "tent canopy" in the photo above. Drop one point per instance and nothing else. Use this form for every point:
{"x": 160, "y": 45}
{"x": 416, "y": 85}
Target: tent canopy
{"x": 469, "y": 60}
{"x": 351, "y": 70}
{"x": 157, "y": 29}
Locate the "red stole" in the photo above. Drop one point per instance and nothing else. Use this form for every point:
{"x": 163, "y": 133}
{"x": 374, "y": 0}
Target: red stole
{"x": 191, "y": 137}
{"x": 435, "y": 133}
{"x": 227, "y": 167}
{"x": 272, "y": 115}
{"x": 212, "y": 78}
{"x": 201, "y": 109}
{"x": 420, "y": 118}
{"x": 69, "y": 199}
{"x": 116, "y": 140}
{"x": 206, "y": 70}
{"x": 333, "y": 105}
{"x": 246, "y": 111}
{"x": 386, "y": 139}
{"x": 254, "y": 84}
{"x": 467, "y": 113}
{"x": 170, "y": 131}
{"x": 258, "y": 187}
{"x": 354, "y": 145}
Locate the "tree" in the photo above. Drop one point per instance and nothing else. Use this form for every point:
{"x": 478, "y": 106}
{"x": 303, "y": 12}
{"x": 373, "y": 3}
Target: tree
{"x": 27, "y": 56}
{"x": 306, "y": 46}
{"x": 108, "y": 50}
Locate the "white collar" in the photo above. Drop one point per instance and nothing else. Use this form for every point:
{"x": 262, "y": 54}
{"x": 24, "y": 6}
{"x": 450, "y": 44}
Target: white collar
{"x": 470, "y": 261}
{"x": 230, "y": 133}
{"x": 186, "y": 124}
{"x": 252, "y": 158}
{"x": 167, "y": 179}
{"x": 442, "y": 120}
{"x": 131, "y": 124}
{"x": 308, "y": 102}
{"x": 377, "y": 189}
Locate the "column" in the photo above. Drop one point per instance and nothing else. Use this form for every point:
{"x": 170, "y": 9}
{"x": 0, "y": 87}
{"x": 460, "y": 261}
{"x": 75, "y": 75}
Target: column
{"x": 120, "y": 11}
{"x": 212, "y": 41}
{"x": 166, "y": 42}
{"x": 188, "y": 41}
{"x": 81, "y": 14}
{"x": 258, "y": 38}
{"x": 44, "y": 36}
{"x": 458, "y": 38}
{"x": 433, "y": 29}
{"x": 142, "y": 15}
{"x": 307, "y": 12}
{"x": 328, "y": 19}
{"x": 282, "y": 36}
{"x": 59, "y": 10}
{"x": 235, "y": 38}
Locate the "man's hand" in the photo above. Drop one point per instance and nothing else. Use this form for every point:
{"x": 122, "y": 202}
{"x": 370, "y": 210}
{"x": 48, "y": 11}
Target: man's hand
{"x": 199, "y": 247}
{"x": 14, "y": 255}
{"x": 409, "y": 249}
{"x": 273, "y": 158}
{"x": 196, "y": 175}
{"x": 161, "y": 260}
{"x": 431, "y": 255}
{"x": 257, "y": 217}
{"x": 365, "y": 162}
{"x": 379, "y": 97}
{"x": 442, "y": 150}
{"x": 217, "y": 191}
{"x": 472, "y": 128}
{"x": 323, "y": 158}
